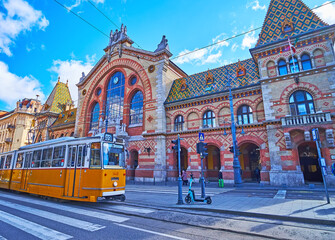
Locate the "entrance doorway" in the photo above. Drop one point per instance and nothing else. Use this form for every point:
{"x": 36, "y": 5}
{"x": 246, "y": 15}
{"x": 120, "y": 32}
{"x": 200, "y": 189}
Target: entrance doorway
{"x": 249, "y": 161}
{"x": 213, "y": 163}
{"x": 133, "y": 164}
{"x": 309, "y": 162}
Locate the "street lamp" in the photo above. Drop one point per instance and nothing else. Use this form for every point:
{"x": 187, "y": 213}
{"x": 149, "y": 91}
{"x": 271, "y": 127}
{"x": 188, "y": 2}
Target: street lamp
{"x": 236, "y": 162}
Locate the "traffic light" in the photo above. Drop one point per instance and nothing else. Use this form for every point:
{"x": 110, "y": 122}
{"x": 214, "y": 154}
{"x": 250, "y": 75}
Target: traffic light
{"x": 175, "y": 147}
{"x": 238, "y": 152}
{"x": 204, "y": 150}
{"x": 199, "y": 147}
{"x": 231, "y": 149}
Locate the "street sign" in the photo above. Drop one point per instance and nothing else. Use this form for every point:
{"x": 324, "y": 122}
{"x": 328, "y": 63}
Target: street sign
{"x": 323, "y": 162}
{"x": 315, "y": 134}
{"x": 201, "y": 137}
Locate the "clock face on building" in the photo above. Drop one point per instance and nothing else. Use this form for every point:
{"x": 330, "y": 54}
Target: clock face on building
{"x": 115, "y": 80}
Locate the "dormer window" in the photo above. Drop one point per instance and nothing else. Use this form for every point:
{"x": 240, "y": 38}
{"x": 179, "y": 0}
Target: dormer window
{"x": 287, "y": 26}
{"x": 183, "y": 85}
{"x": 240, "y": 72}
{"x": 209, "y": 78}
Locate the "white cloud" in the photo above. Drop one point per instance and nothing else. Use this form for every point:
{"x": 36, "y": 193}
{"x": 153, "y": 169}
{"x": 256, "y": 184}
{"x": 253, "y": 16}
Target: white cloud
{"x": 78, "y": 2}
{"x": 326, "y": 12}
{"x": 249, "y": 40}
{"x": 14, "y": 87}
{"x": 20, "y": 17}
{"x": 255, "y": 5}
{"x": 204, "y": 56}
{"x": 71, "y": 70}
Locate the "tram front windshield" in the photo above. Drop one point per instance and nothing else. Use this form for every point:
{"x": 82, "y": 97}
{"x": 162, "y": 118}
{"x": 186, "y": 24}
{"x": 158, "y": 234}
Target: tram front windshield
{"x": 112, "y": 155}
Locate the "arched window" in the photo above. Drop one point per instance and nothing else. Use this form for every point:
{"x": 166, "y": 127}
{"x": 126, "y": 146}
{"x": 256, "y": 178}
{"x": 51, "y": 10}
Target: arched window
{"x": 178, "y": 123}
{"x": 244, "y": 115}
{"x": 301, "y": 102}
{"x": 282, "y": 68}
{"x": 62, "y": 135}
{"x": 209, "y": 119}
{"x": 136, "y": 109}
{"x": 95, "y": 116}
{"x": 72, "y": 134}
{"x": 115, "y": 97}
{"x": 306, "y": 62}
{"x": 271, "y": 69}
{"x": 294, "y": 66}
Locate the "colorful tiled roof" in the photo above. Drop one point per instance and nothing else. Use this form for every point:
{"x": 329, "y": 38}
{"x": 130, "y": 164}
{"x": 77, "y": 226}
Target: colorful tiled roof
{"x": 59, "y": 96}
{"x": 196, "y": 85}
{"x": 282, "y": 12}
{"x": 66, "y": 118}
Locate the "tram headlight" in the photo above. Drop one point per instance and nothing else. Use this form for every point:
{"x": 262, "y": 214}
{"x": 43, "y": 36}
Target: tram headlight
{"x": 114, "y": 184}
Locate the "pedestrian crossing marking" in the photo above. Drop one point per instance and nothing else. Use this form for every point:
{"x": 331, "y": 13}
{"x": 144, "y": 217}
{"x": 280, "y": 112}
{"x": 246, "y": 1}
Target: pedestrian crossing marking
{"x": 131, "y": 209}
{"x": 54, "y": 217}
{"x": 34, "y": 229}
{"x": 89, "y": 213}
{"x": 281, "y": 194}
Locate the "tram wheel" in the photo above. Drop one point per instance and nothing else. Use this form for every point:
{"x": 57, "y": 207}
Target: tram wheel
{"x": 122, "y": 198}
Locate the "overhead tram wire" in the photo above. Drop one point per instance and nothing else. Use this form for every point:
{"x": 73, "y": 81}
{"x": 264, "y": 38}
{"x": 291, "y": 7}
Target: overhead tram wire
{"x": 110, "y": 20}
{"x": 181, "y": 55}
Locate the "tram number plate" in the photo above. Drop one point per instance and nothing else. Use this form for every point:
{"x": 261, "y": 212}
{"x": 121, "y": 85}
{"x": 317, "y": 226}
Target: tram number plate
{"x": 108, "y": 137}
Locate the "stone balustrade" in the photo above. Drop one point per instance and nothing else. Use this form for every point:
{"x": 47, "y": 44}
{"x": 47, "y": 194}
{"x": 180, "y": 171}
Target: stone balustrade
{"x": 315, "y": 118}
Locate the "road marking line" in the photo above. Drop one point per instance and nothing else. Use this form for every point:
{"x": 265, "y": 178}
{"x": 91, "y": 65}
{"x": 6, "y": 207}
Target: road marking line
{"x": 281, "y": 194}
{"x": 148, "y": 231}
{"x": 54, "y": 217}
{"x": 166, "y": 192}
{"x": 2, "y": 238}
{"x": 107, "y": 217}
{"x": 131, "y": 209}
{"x": 32, "y": 228}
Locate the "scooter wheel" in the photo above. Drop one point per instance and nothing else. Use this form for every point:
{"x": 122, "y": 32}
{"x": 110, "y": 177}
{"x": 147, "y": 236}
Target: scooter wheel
{"x": 188, "y": 199}
{"x": 208, "y": 200}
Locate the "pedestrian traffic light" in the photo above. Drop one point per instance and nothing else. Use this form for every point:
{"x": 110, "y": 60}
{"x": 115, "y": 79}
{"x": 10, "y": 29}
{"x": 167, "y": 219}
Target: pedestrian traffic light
{"x": 199, "y": 147}
{"x": 204, "y": 150}
{"x": 231, "y": 149}
{"x": 175, "y": 147}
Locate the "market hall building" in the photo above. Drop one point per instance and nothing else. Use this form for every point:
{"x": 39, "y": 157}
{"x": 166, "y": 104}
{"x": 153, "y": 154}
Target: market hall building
{"x": 279, "y": 95}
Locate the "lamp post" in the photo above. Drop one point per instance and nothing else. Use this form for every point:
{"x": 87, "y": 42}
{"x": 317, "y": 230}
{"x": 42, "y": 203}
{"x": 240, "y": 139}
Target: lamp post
{"x": 236, "y": 162}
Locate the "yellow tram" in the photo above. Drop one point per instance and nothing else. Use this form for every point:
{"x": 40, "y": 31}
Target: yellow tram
{"x": 80, "y": 169}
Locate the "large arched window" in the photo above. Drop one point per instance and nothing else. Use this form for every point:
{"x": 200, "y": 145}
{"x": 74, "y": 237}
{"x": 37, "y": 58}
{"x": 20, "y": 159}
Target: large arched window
{"x": 294, "y": 65}
{"x": 306, "y": 62}
{"x": 115, "y": 97}
{"x": 178, "y": 123}
{"x": 95, "y": 116}
{"x": 244, "y": 115}
{"x": 282, "y": 68}
{"x": 301, "y": 102}
{"x": 136, "y": 109}
{"x": 209, "y": 119}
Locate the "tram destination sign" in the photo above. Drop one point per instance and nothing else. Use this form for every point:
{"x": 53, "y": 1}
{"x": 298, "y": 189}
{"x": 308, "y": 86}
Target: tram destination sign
{"x": 108, "y": 137}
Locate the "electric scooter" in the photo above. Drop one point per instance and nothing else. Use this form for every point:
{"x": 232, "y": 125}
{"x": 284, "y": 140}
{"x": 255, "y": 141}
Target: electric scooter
{"x": 191, "y": 196}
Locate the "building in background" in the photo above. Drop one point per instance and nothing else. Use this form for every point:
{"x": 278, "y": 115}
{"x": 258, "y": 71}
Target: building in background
{"x": 64, "y": 124}
{"x": 15, "y": 126}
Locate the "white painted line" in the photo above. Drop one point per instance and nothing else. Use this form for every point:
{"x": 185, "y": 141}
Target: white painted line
{"x": 148, "y": 231}
{"x": 63, "y": 207}
{"x": 131, "y": 209}
{"x": 2, "y": 238}
{"x": 281, "y": 194}
{"x": 37, "y": 230}
{"x": 54, "y": 217}
{"x": 167, "y": 192}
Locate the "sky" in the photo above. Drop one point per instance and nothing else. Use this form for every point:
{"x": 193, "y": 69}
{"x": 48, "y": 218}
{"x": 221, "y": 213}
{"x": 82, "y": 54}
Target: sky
{"x": 41, "y": 41}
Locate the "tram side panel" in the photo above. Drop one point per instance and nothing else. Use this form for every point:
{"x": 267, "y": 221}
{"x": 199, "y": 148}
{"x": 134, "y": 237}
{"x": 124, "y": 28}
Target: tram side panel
{"x": 6, "y": 171}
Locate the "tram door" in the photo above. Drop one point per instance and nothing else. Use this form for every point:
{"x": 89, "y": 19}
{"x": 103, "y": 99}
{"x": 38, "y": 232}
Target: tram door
{"x": 25, "y": 170}
{"x": 74, "y": 171}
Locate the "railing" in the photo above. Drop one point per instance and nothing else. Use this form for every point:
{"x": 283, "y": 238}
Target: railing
{"x": 315, "y": 118}
{"x": 8, "y": 140}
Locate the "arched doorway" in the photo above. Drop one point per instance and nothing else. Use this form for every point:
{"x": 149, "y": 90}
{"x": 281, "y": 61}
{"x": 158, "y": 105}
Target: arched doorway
{"x": 213, "y": 163}
{"x": 133, "y": 164}
{"x": 183, "y": 159}
{"x": 249, "y": 161}
{"x": 309, "y": 164}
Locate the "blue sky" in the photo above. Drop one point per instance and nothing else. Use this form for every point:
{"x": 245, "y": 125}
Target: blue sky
{"x": 40, "y": 40}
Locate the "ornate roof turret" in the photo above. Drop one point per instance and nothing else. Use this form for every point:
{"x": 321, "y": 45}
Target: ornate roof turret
{"x": 119, "y": 36}
{"x": 287, "y": 18}
{"x": 163, "y": 45}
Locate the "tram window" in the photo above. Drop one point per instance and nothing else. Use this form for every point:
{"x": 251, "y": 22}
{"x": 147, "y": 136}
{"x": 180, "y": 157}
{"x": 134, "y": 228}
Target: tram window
{"x": 36, "y": 159}
{"x": 111, "y": 155}
{"x": 19, "y": 161}
{"x": 95, "y": 155}
{"x": 46, "y": 157}
{"x": 8, "y": 161}
{"x": 28, "y": 160}
{"x": 59, "y": 155}
{"x": 2, "y": 161}
{"x": 80, "y": 157}
{"x": 72, "y": 156}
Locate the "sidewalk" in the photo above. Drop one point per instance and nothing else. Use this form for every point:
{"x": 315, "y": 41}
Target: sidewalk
{"x": 306, "y": 211}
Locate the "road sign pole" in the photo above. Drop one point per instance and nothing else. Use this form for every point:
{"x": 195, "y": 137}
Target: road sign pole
{"x": 180, "y": 192}
{"x": 316, "y": 138}
{"x": 202, "y": 179}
